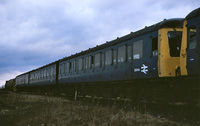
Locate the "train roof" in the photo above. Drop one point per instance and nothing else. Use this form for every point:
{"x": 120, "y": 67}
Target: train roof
{"x": 193, "y": 14}
{"x": 170, "y": 23}
{"x": 10, "y": 80}
{"x": 38, "y": 68}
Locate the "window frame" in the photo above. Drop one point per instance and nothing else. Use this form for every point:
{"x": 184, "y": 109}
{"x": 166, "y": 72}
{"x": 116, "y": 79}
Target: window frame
{"x": 136, "y": 54}
{"x": 97, "y": 63}
{"x": 108, "y": 59}
{"x": 121, "y": 56}
{"x": 190, "y": 46}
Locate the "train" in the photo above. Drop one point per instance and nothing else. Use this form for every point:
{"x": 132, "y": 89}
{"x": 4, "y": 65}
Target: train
{"x": 160, "y": 61}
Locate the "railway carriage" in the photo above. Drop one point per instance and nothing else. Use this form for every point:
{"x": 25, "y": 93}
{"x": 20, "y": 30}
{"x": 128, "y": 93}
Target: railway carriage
{"x": 148, "y": 54}
{"x": 10, "y": 85}
{"x": 43, "y": 76}
{"x": 143, "y": 54}
{"x": 22, "y": 81}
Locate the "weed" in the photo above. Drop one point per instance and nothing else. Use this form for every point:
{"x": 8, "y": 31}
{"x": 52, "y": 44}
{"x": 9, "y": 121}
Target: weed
{"x": 34, "y": 110}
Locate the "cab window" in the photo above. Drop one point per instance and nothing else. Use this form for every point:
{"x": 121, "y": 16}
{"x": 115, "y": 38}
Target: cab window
{"x": 174, "y": 39}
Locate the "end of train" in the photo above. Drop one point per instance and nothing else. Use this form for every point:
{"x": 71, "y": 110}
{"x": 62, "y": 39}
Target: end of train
{"x": 10, "y": 85}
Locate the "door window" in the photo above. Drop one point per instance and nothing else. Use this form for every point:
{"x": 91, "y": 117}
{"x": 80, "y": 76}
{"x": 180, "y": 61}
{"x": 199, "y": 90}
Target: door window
{"x": 174, "y": 38}
{"x": 192, "y": 38}
{"x": 137, "y": 49}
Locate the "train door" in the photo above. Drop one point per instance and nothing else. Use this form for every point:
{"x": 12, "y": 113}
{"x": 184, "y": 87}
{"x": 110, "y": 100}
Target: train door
{"x": 139, "y": 65}
{"x": 192, "y": 45}
{"x": 169, "y": 46}
{"x": 153, "y": 64}
{"x": 145, "y": 56}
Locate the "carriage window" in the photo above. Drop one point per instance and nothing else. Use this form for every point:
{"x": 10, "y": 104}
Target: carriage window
{"x": 155, "y": 46}
{"x": 108, "y": 57}
{"x": 87, "y": 62}
{"x": 40, "y": 74}
{"x": 83, "y": 63}
{"x": 129, "y": 53}
{"x": 102, "y": 59}
{"x": 64, "y": 67}
{"x": 80, "y": 64}
{"x": 52, "y": 72}
{"x": 74, "y": 66}
{"x": 115, "y": 57}
{"x": 62, "y": 70}
{"x": 97, "y": 60}
{"x": 48, "y": 72}
{"x": 43, "y": 74}
{"x": 192, "y": 38}
{"x": 137, "y": 49}
{"x": 174, "y": 38}
{"x": 68, "y": 67}
{"x": 31, "y": 78}
{"x": 35, "y": 77}
{"x": 91, "y": 62}
{"x": 55, "y": 70}
{"x": 121, "y": 54}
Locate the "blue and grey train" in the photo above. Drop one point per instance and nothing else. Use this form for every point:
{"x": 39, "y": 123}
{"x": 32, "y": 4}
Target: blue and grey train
{"x": 145, "y": 63}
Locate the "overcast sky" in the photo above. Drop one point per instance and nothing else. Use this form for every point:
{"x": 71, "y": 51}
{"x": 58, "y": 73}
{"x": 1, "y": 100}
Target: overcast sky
{"x": 36, "y": 32}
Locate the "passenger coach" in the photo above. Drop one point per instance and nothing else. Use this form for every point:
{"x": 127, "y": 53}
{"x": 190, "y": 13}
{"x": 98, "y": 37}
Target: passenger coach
{"x": 149, "y": 53}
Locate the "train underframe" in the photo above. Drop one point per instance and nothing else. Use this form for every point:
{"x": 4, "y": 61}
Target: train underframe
{"x": 180, "y": 90}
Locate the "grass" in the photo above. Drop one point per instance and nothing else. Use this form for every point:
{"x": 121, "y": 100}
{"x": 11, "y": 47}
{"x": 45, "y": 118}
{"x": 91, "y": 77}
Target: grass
{"x": 34, "y": 110}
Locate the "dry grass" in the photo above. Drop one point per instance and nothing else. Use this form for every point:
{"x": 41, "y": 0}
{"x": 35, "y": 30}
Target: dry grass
{"x": 34, "y": 110}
